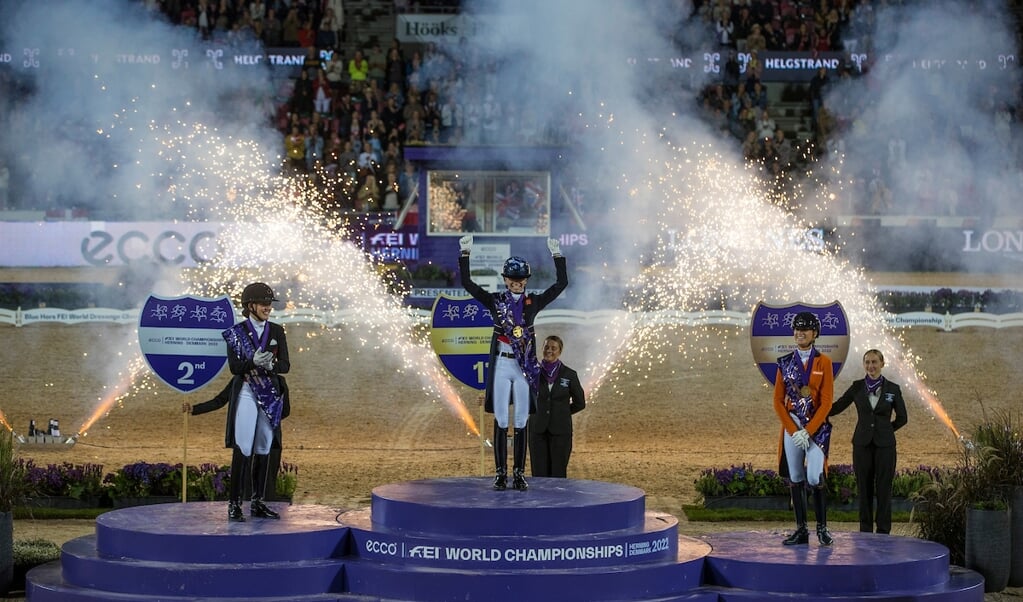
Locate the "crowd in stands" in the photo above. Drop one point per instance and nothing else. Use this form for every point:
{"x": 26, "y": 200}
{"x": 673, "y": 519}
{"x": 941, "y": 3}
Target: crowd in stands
{"x": 352, "y": 108}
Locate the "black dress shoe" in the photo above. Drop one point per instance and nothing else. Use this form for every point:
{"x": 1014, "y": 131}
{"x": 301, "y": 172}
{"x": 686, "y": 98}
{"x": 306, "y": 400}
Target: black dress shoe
{"x": 799, "y": 536}
{"x": 260, "y": 510}
{"x": 234, "y": 512}
{"x": 519, "y": 481}
{"x": 501, "y": 481}
{"x": 824, "y": 536}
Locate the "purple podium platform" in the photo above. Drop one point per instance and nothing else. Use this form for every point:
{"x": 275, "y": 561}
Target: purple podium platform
{"x": 457, "y": 539}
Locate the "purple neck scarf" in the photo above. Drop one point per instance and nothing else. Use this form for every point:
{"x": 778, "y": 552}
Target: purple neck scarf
{"x": 550, "y": 370}
{"x": 874, "y": 384}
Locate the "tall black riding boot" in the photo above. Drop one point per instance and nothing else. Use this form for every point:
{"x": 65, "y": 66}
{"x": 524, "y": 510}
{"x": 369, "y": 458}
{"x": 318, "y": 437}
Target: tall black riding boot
{"x": 519, "y": 454}
{"x": 500, "y": 457}
{"x": 820, "y": 508}
{"x": 800, "y": 535}
{"x": 260, "y": 476}
{"x": 240, "y": 466}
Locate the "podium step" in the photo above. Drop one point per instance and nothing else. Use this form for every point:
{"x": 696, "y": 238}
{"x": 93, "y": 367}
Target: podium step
{"x": 458, "y": 539}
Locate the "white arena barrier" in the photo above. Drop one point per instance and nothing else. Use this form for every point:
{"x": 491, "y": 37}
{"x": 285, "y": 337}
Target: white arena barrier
{"x": 716, "y": 317}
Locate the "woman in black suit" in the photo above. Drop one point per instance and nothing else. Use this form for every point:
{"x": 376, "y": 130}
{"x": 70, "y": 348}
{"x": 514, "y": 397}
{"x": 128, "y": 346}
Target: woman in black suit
{"x": 550, "y": 428}
{"x": 874, "y": 454}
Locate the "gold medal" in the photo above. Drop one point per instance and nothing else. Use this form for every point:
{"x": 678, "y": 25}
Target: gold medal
{"x": 805, "y": 391}
{"x": 517, "y": 332}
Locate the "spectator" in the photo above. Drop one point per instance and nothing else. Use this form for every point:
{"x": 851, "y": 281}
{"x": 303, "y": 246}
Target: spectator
{"x": 367, "y": 158}
{"x": 335, "y": 70}
{"x": 375, "y": 126}
{"x": 336, "y": 8}
{"x": 347, "y": 160}
{"x": 415, "y": 129}
{"x": 491, "y": 120}
{"x": 725, "y": 29}
{"x": 395, "y": 92}
{"x": 408, "y": 180}
{"x": 816, "y": 93}
{"x": 391, "y": 118}
{"x": 395, "y": 69}
{"x": 289, "y": 29}
{"x": 756, "y": 42}
{"x": 326, "y": 33}
{"x": 307, "y": 34}
{"x": 367, "y": 196}
{"x": 413, "y": 72}
{"x": 272, "y": 29}
{"x": 412, "y": 105}
{"x": 358, "y": 71}
{"x": 743, "y": 26}
{"x": 783, "y": 146}
{"x": 294, "y": 149}
{"x": 377, "y": 64}
{"x": 313, "y": 147}
{"x": 802, "y": 41}
{"x": 758, "y": 95}
{"x": 391, "y": 201}
{"x": 302, "y": 96}
{"x": 774, "y": 38}
{"x": 204, "y": 19}
{"x": 731, "y": 72}
{"x": 322, "y": 93}
{"x": 257, "y": 10}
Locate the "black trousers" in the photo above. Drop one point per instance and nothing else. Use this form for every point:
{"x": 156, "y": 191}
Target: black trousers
{"x": 549, "y": 453}
{"x": 874, "y": 468}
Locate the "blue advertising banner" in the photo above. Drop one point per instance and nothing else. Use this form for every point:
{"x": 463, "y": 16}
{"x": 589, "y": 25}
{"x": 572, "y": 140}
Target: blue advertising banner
{"x": 460, "y": 333}
{"x": 180, "y": 337}
{"x": 771, "y": 334}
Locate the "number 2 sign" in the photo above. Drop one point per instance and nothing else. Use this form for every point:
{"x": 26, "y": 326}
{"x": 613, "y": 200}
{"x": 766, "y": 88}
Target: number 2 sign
{"x": 180, "y": 338}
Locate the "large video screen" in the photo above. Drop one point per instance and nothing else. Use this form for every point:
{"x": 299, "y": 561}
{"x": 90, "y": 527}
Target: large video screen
{"x": 506, "y": 203}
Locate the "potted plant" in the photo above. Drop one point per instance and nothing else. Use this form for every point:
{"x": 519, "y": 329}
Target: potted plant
{"x": 966, "y": 508}
{"x": 14, "y": 489}
{"x": 287, "y": 481}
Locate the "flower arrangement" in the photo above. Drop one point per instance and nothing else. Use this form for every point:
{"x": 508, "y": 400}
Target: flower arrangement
{"x": 841, "y": 483}
{"x": 740, "y": 480}
{"x": 743, "y": 480}
{"x": 143, "y": 479}
{"x": 212, "y": 481}
{"x": 287, "y": 480}
{"x": 77, "y": 481}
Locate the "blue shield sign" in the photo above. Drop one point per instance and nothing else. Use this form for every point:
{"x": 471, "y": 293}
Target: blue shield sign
{"x": 460, "y": 333}
{"x": 181, "y": 339}
{"x": 771, "y": 334}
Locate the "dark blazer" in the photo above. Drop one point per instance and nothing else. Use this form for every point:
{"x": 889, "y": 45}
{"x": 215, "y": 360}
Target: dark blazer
{"x": 874, "y": 425}
{"x": 554, "y": 408}
{"x": 532, "y": 306}
{"x": 278, "y": 345}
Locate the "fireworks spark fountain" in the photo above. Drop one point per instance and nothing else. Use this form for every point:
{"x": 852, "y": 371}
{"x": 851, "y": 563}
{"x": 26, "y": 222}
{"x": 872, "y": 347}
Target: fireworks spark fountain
{"x": 280, "y": 230}
{"x": 732, "y": 247}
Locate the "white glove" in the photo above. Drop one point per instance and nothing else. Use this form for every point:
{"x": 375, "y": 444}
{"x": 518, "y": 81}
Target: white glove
{"x": 465, "y": 243}
{"x": 263, "y": 359}
{"x": 802, "y": 439}
{"x": 554, "y": 245}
